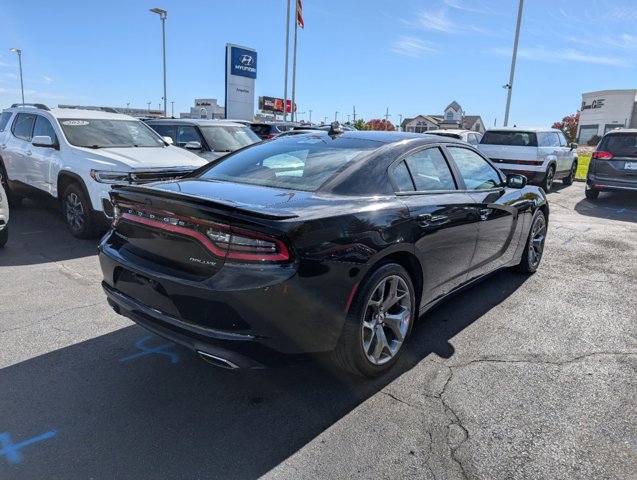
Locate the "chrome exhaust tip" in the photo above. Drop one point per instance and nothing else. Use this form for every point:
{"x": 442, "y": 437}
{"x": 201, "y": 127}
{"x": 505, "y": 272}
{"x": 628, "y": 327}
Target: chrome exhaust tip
{"x": 217, "y": 361}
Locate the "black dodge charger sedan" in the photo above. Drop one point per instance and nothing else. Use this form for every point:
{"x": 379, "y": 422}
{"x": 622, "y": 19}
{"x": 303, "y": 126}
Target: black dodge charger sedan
{"x": 335, "y": 241}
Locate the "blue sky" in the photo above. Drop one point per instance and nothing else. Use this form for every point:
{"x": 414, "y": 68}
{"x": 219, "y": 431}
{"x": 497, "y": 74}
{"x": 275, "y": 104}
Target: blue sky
{"x": 411, "y": 56}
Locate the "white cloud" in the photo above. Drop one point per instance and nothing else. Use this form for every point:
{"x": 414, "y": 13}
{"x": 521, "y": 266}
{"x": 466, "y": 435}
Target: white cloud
{"x": 412, "y": 47}
{"x": 38, "y": 94}
{"x": 473, "y": 7}
{"x": 47, "y": 80}
{"x": 437, "y": 21}
{"x": 542, "y": 54}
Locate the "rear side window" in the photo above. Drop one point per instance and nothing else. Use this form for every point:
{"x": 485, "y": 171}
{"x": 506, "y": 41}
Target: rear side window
{"x": 23, "y": 126}
{"x": 477, "y": 173}
{"x": 429, "y": 170}
{"x": 261, "y": 130}
{"x": 548, "y": 139}
{"x": 512, "y": 138}
{"x": 624, "y": 145}
{"x": 165, "y": 131}
{"x": 4, "y": 119}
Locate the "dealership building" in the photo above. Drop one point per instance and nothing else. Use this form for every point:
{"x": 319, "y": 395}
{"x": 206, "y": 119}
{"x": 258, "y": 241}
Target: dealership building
{"x": 606, "y": 110}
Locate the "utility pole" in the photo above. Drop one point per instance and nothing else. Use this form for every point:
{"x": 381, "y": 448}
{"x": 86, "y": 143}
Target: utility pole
{"x": 386, "y": 117}
{"x": 287, "y": 50}
{"x": 310, "y": 116}
{"x": 172, "y": 109}
{"x": 400, "y": 127}
{"x": 354, "y": 114}
{"x": 335, "y": 116}
{"x": 509, "y": 86}
{"x": 148, "y": 106}
{"x": 296, "y": 28}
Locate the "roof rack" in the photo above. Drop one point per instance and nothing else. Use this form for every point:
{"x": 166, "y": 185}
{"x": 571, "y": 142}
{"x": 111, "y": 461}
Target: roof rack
{"x": 40, "y": 106}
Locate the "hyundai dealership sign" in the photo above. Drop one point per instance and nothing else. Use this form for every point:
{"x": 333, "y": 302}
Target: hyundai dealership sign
{"x": 241, "y": 71}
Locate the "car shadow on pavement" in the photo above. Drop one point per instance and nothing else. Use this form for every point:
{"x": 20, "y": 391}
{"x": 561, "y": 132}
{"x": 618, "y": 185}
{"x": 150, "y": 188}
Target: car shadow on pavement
{"x": 620, "y": 206}
{"x": 131, "y": 405}
{"x": 38, "y": 235}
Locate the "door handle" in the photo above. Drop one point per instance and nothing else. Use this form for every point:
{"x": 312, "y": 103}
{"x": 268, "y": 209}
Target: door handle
{"x": 28, "y": 152}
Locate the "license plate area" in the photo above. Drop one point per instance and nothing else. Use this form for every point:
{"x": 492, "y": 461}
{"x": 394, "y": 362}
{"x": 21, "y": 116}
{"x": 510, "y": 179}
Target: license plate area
{"x": 630, "y": 166}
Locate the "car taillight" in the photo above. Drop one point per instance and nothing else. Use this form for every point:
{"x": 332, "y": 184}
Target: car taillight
{"x": 220, "y": 239}
{"x": 242, "y": 245}
{"x": 601, "y": 155}
{"x": 271, "y": 135}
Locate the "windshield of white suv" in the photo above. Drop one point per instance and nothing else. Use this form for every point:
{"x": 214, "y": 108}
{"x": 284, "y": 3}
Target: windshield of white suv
{"x": 228, "y": 138}
{"x": 101, "y": 133}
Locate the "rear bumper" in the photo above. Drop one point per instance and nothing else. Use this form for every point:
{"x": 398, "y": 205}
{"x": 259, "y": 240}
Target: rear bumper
{"x": 533, "y": 176}
{"x": 610, "y": 184}
{"x": 250, "y": 317}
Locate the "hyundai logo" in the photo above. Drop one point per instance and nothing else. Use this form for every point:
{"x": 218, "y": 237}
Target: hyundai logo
{"x": 246, "y": 60}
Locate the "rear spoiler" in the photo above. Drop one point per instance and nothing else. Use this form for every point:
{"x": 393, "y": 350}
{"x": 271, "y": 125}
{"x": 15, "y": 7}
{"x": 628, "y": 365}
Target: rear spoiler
{"x": 143, "y": 195}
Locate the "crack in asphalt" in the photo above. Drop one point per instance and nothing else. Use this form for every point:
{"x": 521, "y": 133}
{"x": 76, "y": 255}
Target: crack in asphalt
{"x": 539, "y": 360}
{"x": 39, "y": 320}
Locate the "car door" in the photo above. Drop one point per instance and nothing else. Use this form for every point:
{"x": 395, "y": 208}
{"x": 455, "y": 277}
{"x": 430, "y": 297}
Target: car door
{"x": 18, "y": 147}
{"x": 566, "y": 153}
{"x": 497, "y": 219}
{"x": 40, "y": 163}
{"x": 443, "y": 220}
{"x": 188, "y": 133}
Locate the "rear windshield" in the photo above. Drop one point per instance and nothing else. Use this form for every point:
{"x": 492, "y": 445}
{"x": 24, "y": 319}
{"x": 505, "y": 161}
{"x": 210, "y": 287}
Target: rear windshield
{"x": 261, "y": 130}
{"x": 624, "y": 145}
{"x": 295, "y": 163}
{"x": 445, "y": 134}
{"x": 228, "y": 139}
{"x": 518, "y": 139}
{"x": 102, "y": 133}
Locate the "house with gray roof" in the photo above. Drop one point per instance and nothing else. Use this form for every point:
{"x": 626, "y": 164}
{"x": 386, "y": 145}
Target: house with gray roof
{"x": 453, "y": 117}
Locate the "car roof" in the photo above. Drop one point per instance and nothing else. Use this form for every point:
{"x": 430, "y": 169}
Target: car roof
{"x": 380, "y": 136}
{"x": 620, "y": 130}
{"x": 522, "y": 129}
{"x": 450, "y": 130}
{"x": 194, "y": 121}
{"x": 73, "y": 113}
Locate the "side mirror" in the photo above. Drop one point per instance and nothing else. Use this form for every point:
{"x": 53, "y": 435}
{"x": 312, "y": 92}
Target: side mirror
{"x": 516, "y": 181}
{"x": 168, "y": 140}
{"x": 42, "y": 141}
{"x": 193, "y": 145}
{"x": 573, "y": 146}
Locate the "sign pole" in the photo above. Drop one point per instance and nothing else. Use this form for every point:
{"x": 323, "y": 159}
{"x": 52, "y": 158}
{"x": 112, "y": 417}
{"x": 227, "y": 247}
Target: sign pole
{"x": 287, "y": 49}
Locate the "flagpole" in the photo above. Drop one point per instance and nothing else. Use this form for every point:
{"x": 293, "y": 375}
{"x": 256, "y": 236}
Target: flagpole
{"x": 296, "y": 27}
{"x": 287, "y": 49}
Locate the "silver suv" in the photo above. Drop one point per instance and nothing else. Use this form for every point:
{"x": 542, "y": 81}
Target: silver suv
{"x": 540, "y": 154}
{"x": 76, "y": 156}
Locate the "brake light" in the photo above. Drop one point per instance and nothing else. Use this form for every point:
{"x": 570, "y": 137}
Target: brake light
{"x": 220, "y": 239}
{"x": 601, "y": 155}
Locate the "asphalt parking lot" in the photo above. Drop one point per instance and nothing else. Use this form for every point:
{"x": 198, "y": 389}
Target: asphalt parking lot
{"x": 518, "y": 377}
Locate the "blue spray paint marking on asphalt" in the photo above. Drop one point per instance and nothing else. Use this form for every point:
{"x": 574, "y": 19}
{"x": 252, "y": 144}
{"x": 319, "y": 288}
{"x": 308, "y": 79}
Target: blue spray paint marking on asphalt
{"x": 12, "y": 451}
{"x": 160, "y": 350}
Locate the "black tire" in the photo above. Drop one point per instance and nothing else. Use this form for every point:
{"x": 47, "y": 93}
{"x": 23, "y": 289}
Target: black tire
{"x": 548, "y": 179}
{"x": 4, "y": 236}
{"x": 571, "y": 176}
{"x": 77, "y": 212}
{"x": 365, "y": 321}
{"x": 591, "y": 193}
{"x": 534, "y": 246}
{"x": 14, "y": 200}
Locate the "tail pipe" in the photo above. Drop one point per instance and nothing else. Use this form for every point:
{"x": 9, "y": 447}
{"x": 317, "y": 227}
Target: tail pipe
{"x": 217, "y": 361}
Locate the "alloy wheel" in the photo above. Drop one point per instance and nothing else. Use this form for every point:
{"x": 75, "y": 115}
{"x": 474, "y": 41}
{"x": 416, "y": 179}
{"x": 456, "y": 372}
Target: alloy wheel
{"x": 74, "y": 211}
{"x": 386, "y": 320}
{"x": 538, "y": 237}
{"x": 549, "y": 178}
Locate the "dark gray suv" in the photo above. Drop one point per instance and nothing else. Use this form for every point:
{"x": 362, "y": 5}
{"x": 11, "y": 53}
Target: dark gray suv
{"x": 613, "y": 164}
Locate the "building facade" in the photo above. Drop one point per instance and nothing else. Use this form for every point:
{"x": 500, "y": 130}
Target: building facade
{"x": 606, "y": 110}
{"x": 205, "y": 108}
{"x": 453, "y": 117}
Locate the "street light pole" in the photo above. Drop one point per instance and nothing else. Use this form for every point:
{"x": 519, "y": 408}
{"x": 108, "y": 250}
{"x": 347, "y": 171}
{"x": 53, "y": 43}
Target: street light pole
{"x": 148, "y": 106}
{"x": 172, "y": 109}
{"x": 19, "y": 52}
{"x": 162, "y": 15}
{"x": 509, "y": 86}
{"x": 335, "y": 116}
{"x": 310, "y": 116}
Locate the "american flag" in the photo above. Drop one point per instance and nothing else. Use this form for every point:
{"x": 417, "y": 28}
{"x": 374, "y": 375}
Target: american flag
{"x": 299, "y": 13}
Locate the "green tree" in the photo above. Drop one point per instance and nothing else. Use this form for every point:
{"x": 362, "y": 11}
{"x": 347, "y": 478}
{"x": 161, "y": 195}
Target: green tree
{"x": 360, "y": 124}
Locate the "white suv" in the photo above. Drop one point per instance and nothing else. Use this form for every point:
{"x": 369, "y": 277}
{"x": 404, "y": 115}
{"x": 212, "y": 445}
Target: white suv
{"x": 541, "y": 154}
{"x": 76, "y": 155}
